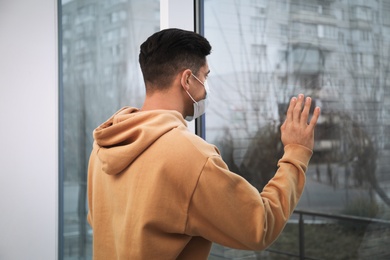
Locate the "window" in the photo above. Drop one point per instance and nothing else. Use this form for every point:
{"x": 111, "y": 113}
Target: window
{"x": 115, "y": 34}
{"x": 341, "y": 37}
{"x": 320, "y": 30}
{"x": 118, "y": 16}
{"x": 257, "y": 24}
{"x": 363, "y": 13}
{"x": 365, "y": 36}
{"x": 305, "y": 29}
{"x": 385, "y": 10}
{"x": 258, "y": 49}
{"x": 330, "y": 32}
{"x": 84, "y": 14}
{"x": 255, "y": 77}
{"x": 260, "y": 11}
{"x": 284, "y": 30}
{"x": 306, "y": 59}
{"x": 95, "y": 72}
{"x": 363, "y": 60}
{"x": 343, "y": 70}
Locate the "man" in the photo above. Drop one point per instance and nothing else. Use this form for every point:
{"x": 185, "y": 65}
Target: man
{"x": 157, "y": 191}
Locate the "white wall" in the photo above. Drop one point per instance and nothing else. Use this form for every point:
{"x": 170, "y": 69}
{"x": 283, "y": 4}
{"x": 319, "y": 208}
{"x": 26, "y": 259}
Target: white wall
{"x": 28, "y": 129}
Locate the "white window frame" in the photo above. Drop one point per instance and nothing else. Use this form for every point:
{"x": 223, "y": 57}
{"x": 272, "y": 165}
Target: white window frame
{"x": 178, "y": 14}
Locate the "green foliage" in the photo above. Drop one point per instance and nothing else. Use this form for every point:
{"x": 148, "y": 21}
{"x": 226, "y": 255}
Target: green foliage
{"x": 322, "y": 241}
{"x": 362, "y": 207}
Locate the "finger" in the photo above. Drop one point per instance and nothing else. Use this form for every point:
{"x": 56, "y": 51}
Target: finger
{"x": 298, "y": 108}
{"x": 305, "y": 112}
{"x": 291, "y": 109}
{"x": 314, "y": 118}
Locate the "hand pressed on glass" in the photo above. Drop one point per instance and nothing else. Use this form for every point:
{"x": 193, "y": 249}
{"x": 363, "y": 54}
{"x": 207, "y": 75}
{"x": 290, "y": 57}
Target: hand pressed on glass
{"x": 296, "y": 129}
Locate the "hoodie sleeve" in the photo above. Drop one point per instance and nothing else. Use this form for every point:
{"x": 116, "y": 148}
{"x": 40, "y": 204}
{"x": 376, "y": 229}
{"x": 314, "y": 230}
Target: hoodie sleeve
{"x": 228, "y": 210}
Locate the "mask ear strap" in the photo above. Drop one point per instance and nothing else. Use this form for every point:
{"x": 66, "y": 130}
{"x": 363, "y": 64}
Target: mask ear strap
{"x": 197, "y": 79}
{"x": 191, "y": 97}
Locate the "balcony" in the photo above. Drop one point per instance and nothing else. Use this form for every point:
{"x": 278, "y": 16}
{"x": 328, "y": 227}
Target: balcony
{"x": 305, "y": 16}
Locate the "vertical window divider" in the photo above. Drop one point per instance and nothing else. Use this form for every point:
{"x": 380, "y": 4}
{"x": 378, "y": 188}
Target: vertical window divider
{"x": 200, "y": 123}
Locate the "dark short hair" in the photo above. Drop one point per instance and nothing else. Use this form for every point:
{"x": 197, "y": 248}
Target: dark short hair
{"x": 166, "y": 53}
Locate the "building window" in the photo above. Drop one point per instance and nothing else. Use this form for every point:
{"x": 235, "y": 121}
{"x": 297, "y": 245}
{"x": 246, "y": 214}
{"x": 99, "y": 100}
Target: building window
{"x": 284, "y": 30}
{"x": 257, "y": 24}
{"x": 330, "y": 32}
{"x": 365, "y": 36}
{"x": 118, "y": 16}
{"x": 364, "y": 60}
{"x": 362, "y": 13}
{"x": 386, "y": 10}
{"x": 340, "y": 37}
{"x": 115, "y": 34}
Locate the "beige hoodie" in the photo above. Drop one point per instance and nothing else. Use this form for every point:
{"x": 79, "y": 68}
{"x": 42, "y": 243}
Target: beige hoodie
{"x": 157, "y": 191}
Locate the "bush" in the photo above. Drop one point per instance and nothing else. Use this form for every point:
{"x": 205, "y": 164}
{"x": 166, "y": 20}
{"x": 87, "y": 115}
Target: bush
{"x": 360, "y": 207}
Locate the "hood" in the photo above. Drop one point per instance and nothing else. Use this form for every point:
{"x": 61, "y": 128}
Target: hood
{"x": 123, "y": 137}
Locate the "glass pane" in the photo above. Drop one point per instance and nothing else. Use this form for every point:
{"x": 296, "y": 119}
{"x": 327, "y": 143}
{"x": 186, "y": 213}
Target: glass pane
{"x": 337, "y": 52}
{"x": 100, "y": 74}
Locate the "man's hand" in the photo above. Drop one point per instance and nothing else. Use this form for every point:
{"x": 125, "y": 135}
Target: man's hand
{"x": 296, "y": 129}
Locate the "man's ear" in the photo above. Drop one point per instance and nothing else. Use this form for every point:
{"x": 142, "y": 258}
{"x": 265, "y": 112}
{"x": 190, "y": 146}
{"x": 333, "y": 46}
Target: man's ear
{"x": 185, "y": 77}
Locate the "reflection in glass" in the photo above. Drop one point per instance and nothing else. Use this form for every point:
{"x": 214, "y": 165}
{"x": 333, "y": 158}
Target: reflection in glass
{"x": 100, "y": 46}
{"x": 337, "y": 52}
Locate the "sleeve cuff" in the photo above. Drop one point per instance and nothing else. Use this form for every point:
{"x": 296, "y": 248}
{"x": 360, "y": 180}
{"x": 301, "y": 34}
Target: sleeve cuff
{"x": 297, "y": 152}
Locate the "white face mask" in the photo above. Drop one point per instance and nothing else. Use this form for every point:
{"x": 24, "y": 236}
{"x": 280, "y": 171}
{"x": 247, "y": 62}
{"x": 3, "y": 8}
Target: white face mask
{"x": 200, "y": 106}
